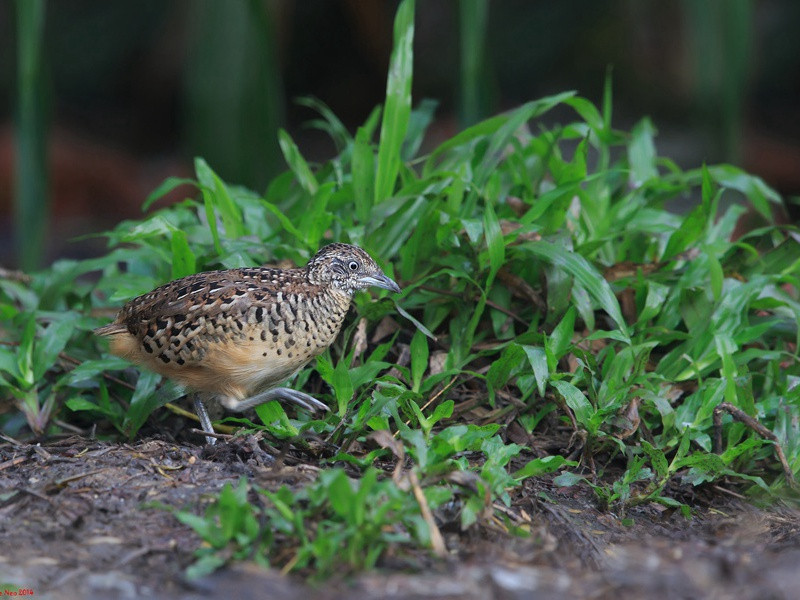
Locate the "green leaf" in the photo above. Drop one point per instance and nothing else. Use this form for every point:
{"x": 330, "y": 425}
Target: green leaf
{"x": 542, "y": 466}
{"x": 494, "y": 242}
{"x": 442, "y": 411}
{"x": 332, "y": 123}
{"x": 419, "y": 359}
{"x": 397, "y": 110}
{"x": 25, "y": 363}
{"x": 52, "y": 342}
{"x": 642, "y": 153}
{"x": 421, "y": 118}
{"x": 560, "y": 341}
{"x": 726, "y": 348}
{"x": 169, "y": 184}
{"x": 716, "y": 275}
{"x": 657, "y": 459}
{"x": 183, "y": 261}
{"x": 538, "y": 361}
{"x": 568, "y": 479}
{"x": 576, "y": 400}
{"x": 145, "y": 400}
{"x": 342, "y": 386}
{"x": 284, "y": 221}
{"x": 585, "y": 273}
{"x": 8, "y": 362}
{"x": 276, "y": 420}
{"x": 654, "y": 301}
{"x": 297, "y": 163}
{"x": 216, "y": 193}
{"x": 417, "y": 324}
{"x": 757, "y": 192}
{"x": 687, "y": 234}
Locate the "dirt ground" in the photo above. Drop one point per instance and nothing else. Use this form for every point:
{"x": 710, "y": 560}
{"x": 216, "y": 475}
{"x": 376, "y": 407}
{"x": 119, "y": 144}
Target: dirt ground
{"x": 75, "y": 523}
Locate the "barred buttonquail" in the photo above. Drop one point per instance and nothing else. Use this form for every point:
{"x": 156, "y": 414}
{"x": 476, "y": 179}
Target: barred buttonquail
{"x": 235, "y": 334}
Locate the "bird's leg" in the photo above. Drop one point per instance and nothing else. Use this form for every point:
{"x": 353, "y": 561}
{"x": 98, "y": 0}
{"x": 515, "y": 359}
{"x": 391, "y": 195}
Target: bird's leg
{"x": 205, "y": 421}
{"x": 282, "y": 394}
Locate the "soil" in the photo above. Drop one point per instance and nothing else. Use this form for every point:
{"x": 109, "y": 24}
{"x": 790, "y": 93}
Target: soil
{"x": 77, "y": 520}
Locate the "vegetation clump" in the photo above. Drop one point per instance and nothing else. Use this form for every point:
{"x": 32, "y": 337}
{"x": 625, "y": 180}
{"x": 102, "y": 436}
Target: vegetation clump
{"x": 547, "y": 290}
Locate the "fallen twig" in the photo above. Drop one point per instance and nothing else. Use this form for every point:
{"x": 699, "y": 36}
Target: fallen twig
{"x": 739, "y": 415}
{"x": 437, "y": 541}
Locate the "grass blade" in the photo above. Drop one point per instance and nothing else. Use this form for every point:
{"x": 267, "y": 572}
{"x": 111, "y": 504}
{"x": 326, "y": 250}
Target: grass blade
{"x": 297, "y": 163}
{"x": 220, "y": 199}
{"x": 397, "y": 111}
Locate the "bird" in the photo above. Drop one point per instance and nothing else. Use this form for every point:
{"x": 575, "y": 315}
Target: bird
{"x": 234, "y": 335}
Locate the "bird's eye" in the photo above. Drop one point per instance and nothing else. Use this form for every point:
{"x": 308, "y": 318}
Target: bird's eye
{"x": 353, "y": 265}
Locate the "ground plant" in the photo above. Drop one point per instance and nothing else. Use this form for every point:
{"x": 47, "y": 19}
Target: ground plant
{"x": 549, "y": 287}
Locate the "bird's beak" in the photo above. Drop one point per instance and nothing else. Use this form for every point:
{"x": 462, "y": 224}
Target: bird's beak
{"x": 381, "y": 281}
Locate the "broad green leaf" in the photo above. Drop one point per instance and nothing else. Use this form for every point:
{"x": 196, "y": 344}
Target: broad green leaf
{"x": 642, "y": 153}
{"x": 276, "y": 420}
{"x": 397, "y": 109}
{"x": 568, "y": 479}
{"x": 685, "y": 236}
{"x": 592, "y": 281}
{"x": 502, "y": 368}
{"x": 442, "y": 411}
{"x": 342, "y": 386}
{"x": 145, "y": 400}
{"x": 757, "y": 192}
{"x": 8, "y": 362}
{"x": 492, "y": 125}
{"x": 538, "y": 360}
{"x": 560, "y": 341}
{"x": 542, "y": 466}
{"x": 657, "y": 459}
{"x": 53, "y": 340}
{"x": 575, "y": 399}
{"x": 90, "y": 369}
{"x": 654, "y": 301}
{"x": 183, "y": 260}
{"x": 82, "y": 404}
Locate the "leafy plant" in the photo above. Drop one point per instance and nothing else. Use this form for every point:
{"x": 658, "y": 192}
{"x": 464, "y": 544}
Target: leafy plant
{"x": 547, "y": 285}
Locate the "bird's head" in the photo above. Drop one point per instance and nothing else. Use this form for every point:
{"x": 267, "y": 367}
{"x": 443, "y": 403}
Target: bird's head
{"x": 347, "y": 268}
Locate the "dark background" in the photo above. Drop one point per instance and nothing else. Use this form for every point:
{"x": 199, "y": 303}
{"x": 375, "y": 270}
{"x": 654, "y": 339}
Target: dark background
{"x": 133, "y": 90}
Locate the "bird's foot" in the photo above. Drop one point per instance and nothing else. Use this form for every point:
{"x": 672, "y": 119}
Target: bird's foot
{"x": 282, "y": 394}
{"x": 205, "y": 420}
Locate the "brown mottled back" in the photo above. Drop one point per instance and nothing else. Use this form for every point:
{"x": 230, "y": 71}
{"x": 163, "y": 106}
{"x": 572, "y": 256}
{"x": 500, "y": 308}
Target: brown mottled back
{"x": 240, "y": 331}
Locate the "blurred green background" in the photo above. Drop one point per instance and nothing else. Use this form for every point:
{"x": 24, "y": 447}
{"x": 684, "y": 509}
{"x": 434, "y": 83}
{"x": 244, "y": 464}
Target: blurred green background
{"x": 103, "y": 99}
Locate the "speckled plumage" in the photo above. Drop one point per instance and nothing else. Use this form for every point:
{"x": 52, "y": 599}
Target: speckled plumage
{"x": 236, "y": 333}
